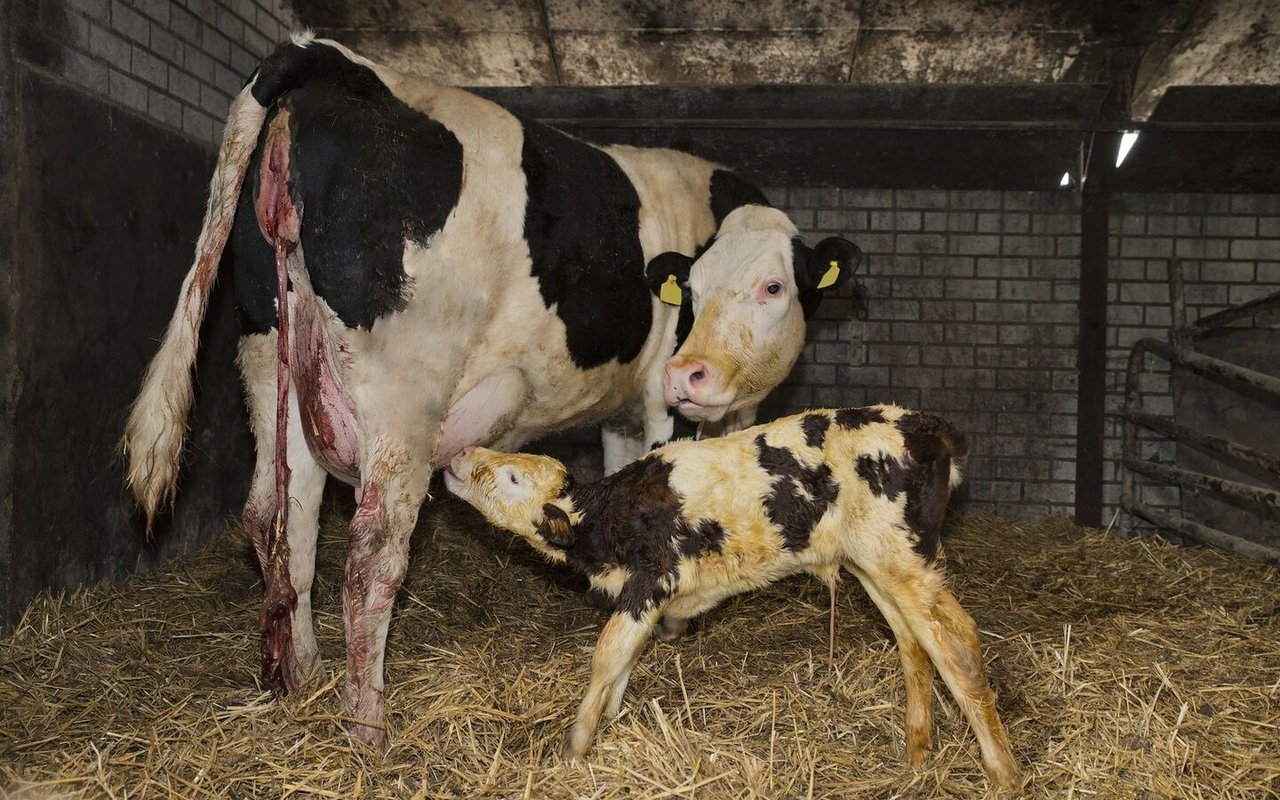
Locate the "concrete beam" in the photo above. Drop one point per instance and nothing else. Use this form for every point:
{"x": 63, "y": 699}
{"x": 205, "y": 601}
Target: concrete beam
{"x": 1225, "y": 43}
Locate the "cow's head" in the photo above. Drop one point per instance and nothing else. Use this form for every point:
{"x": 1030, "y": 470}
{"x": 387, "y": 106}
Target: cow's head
{"x": 519, "y": 492}
{"x": 751, "y": 292}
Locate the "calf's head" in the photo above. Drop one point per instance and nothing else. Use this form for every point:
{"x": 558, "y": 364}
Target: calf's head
{"x": 525, "y": 494}
{"x": 751, "y": 292}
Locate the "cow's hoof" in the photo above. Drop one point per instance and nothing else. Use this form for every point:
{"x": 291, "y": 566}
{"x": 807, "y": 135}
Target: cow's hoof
{"x": 375, "y": 738}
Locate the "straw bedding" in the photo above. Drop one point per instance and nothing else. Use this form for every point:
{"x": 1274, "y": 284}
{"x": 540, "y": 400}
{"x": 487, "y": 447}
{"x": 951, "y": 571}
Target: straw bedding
{"x": 1125, "y": 668}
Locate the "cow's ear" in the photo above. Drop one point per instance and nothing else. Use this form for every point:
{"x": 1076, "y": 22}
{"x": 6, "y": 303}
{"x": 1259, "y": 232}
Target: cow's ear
{"x": 826, "y": 266}
{"x": 668, "y": 277}
{"x": 555, "y": 528}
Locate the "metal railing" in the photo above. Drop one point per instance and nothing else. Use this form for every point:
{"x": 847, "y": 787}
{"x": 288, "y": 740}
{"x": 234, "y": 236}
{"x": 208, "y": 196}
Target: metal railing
{"x": 1181, "y": 352}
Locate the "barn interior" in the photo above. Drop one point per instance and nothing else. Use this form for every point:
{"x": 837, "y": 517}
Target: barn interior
{"x": 1103, "y": 330}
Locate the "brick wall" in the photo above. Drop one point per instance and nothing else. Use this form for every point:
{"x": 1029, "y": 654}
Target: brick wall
{"x": 178, "y": 62}
{"x": 973, "y": 315}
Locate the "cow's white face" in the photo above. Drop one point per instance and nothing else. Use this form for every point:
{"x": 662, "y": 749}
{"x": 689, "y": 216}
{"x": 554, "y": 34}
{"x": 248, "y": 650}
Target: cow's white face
{"x": 749, "y": 322}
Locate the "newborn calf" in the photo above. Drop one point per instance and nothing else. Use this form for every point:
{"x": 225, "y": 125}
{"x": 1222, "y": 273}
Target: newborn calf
{"x": 673, "y": 534}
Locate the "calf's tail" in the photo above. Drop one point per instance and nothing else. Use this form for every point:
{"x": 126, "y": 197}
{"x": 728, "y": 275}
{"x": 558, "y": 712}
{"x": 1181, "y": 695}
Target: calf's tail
{"x": 157, "y": 423}
{"x": 957, "y": 447}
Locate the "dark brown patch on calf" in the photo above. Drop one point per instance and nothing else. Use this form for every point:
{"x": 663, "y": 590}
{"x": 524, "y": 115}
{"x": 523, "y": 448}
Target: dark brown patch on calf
{"x": 854, "y": 418}
{"x": 633, "y": 519}
{"x": 706, "y": 538}
{"x": 788, "y": 507}
{"x": 932, "y": 444}
{"x": 925, "y": 476}
{"x": 886, "y": 475}
{"x": 815, "y": 429}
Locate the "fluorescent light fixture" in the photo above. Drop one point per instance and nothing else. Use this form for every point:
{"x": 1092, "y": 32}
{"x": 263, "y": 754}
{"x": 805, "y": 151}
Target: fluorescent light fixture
{"x": 1127, "y": 140}
{"x": 1066, "y": 179}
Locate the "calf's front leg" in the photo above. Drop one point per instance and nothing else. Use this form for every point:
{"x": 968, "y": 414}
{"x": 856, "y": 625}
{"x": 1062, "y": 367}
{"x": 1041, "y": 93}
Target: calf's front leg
{"x": 619, "y": 646}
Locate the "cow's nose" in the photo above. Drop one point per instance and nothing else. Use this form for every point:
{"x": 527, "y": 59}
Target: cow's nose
{"x": 688, "y": 379}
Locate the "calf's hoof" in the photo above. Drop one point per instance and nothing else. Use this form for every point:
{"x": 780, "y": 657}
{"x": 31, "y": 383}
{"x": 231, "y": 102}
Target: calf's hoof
{"x": 576, "y": 745}
{"x": 1007, "y": 778}
{"x": 672, "y": 630}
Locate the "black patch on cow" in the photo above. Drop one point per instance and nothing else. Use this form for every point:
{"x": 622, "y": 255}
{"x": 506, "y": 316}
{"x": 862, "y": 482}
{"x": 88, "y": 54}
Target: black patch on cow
{"x": 582, "y": 221}
{"x": 853, "y": 418}
{"x": 800, "y": 496}
{"x": 728, "y": 191}
{"x": 367, "y": 173}
{"x": 925, "y": 476}
{"x": 633, "y": 519}
{"x": 815, "y": 429}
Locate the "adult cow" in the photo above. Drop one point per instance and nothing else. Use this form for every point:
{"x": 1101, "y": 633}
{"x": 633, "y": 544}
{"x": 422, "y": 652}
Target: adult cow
{"x": 454, "y": 275}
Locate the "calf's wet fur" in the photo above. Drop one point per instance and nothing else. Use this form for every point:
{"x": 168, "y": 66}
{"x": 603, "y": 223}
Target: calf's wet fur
{"x": 671, "y": 535}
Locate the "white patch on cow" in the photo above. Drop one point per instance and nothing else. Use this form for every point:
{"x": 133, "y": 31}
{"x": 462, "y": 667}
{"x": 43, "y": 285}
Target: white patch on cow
{"x": 482, "y": 414}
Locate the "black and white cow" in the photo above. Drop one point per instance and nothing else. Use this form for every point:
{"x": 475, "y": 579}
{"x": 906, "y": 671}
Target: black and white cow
{"x": 455, "y": 275}
{"x": 694, "y": 522}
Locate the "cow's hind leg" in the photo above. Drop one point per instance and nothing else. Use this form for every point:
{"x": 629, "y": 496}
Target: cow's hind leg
{"x": 392, "y": 490}
{"x": 290, "y": 654}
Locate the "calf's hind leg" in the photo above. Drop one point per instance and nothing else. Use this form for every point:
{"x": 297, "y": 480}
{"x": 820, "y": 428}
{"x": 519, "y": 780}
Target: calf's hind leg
{"x": 950, "y": 637}
{"x": 917, "y": 673}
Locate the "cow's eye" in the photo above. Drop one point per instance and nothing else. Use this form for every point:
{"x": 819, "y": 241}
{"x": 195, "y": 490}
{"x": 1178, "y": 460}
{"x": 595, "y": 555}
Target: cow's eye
{"x": 773, "y": 288}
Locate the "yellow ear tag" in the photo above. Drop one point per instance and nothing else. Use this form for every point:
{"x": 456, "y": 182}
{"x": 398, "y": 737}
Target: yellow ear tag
{"x": 829, "y": 277}
{"x": 670, "y": 293}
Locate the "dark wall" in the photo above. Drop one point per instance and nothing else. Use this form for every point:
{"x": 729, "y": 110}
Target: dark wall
{"x": 108, "y": 210}
{"x": 8, "y": 305}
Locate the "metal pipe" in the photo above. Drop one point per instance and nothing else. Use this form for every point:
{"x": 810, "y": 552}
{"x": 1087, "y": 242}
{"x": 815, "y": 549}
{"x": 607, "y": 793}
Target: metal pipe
{"x": 1181, "y": 433}
{"x": 1227, "y": 316}
{"x": 1198, "y": 480}
{"x": 1201, "y": 364}
{"x": 1202, "y": 533}
{"x": 1178, "y": 300}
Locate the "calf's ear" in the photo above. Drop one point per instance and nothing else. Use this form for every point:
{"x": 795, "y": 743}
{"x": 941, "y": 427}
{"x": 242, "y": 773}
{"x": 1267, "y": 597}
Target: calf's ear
{"x": 667, "y": 276}
{"x": 555, "y": 528}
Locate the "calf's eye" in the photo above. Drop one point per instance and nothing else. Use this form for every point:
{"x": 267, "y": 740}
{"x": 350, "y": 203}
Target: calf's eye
{"x": 773, "y": 288}
{"x": 513, "y": 477}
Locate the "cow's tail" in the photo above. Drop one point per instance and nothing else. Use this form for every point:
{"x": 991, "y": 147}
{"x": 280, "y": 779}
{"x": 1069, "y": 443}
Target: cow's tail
{"x": 157, "y": 424}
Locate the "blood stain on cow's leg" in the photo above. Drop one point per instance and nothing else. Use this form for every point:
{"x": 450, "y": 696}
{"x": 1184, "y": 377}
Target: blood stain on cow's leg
{"x": 279, "y": 669}
{"x": 280, "y": 224}
{"x": 367, "y": 595}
